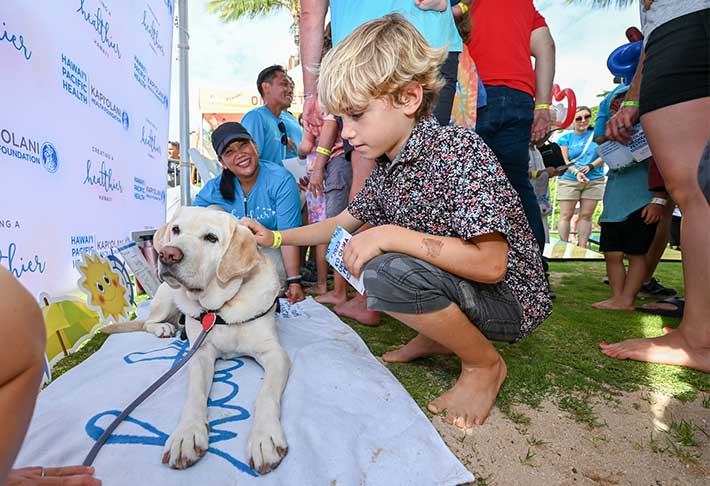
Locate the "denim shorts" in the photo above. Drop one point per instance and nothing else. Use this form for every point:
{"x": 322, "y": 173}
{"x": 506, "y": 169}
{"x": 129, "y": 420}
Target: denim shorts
{"x": 400, "y": 283}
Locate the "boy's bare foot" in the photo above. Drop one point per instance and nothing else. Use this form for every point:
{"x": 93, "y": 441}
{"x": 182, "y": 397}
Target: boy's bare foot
{"x": 470, "y": 400}
{"x": 613, "y": 304}
{"x": 418, "y": 347}
{"x": 356, "y": 308}
{"x": 331, "y": 298}
{"x": 671, "y": 348}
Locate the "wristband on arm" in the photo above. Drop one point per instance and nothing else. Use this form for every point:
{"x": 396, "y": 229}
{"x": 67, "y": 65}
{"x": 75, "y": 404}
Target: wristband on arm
{"x": 591, "y": 166}
{"x": 323, "y": 151}
{"x": 542, "y": 106}
{"x": 296, "y": 279}
{"x": 463, "y": 7}
{"x": 659, "y": 200}
{"x": 630, "y": 103}
{"x": 277, "y": 239}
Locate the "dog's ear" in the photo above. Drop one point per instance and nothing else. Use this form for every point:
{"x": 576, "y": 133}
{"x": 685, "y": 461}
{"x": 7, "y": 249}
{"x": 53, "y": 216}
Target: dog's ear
{"x": 162, "y": 236}
{"x": 240, "y": 257}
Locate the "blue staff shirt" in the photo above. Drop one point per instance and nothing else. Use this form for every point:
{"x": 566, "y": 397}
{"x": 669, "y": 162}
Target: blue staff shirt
{"x": 273, "y": 201}
{"x": 263, "y": 126}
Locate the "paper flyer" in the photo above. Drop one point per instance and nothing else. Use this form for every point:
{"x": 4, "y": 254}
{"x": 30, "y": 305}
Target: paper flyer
{"x": 297, "y": 167}
{"x": 336, "y": 247}
{"x": 140, "y": 267}
{"x": 617, "y": 155}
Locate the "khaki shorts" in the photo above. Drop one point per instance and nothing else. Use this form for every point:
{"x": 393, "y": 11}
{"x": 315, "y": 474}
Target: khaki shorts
{"x": 574, "y": 190}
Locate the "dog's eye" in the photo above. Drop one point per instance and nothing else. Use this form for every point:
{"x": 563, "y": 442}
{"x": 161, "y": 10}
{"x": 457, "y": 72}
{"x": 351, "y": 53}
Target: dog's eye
{"x": 176, "y": 230}
{"x": 211, "y": 237}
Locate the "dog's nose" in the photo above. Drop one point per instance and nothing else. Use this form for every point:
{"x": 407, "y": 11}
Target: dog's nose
{"x": 170, "y": 254}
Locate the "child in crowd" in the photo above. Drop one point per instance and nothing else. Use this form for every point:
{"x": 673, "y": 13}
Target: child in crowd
{"x": 451, "y": 254}
{"x": 628, "y": 221}
{"x": 329, "y": 179}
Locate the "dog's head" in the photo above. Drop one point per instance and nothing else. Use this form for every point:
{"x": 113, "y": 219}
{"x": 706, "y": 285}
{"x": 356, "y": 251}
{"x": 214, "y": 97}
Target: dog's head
{"x": 199, "y": 245}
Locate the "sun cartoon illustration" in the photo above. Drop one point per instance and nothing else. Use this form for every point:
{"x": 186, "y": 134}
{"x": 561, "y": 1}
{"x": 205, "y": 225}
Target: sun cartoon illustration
{"x": 102, "y": 285}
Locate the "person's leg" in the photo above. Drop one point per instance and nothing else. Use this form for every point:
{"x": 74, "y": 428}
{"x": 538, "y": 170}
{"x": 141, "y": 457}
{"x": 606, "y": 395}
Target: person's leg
{"x": 356, "y": 308}
{"x": 584, "y": 225}
{"x": 677, "y": 135}
{"x": 483, "y": 370}
{"x": 321, "y": 270}
{"x": 617, "y": 278}
{"x": 339, "y": 293}
{"x": 430, "y": 301}
{"x": 625, "y": 298}
{"x": 505, "y": 127}
{"x": 450, "y": 72}
{"x": 566, "y": 213}
{"x": 660, "y": 241}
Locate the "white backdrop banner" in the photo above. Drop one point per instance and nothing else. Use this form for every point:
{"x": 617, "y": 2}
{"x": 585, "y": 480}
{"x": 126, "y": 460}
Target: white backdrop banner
{"x": 84, "y": 96}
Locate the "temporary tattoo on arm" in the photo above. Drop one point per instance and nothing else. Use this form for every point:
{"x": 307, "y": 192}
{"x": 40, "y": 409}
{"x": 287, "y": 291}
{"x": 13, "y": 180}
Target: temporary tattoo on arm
{"x": 432, "y": 246}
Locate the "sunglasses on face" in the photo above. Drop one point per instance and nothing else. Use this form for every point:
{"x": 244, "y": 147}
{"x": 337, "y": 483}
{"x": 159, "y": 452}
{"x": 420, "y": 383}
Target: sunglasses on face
{"x": 282, "y": 129}
{"x": 586, "y": 117}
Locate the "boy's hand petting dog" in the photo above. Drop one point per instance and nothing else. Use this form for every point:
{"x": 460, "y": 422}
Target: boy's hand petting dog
{"x": 264, "y": 236}
{"x": 364, "y": 247}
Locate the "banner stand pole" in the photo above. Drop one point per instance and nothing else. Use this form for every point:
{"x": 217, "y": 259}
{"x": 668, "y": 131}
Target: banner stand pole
{"x": 184, "y": 46}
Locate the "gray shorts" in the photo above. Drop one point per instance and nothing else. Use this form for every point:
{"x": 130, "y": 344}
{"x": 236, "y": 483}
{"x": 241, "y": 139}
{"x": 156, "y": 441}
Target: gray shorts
{"x": 337, "y": 181}
{"x": 400, "y": 283}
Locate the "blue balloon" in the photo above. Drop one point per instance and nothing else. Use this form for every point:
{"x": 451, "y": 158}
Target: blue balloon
{"x": 623, "y": 60}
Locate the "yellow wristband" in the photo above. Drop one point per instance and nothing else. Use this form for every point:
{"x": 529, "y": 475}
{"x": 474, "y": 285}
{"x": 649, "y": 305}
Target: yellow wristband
{"x": 463, "y": 7}
{"x": 542, "y": 106}
{"x": 535, "y": 174}
{"x": 324, "y": 151}
{"x": 630, "y": 103}
{"x": 277, "y": 239}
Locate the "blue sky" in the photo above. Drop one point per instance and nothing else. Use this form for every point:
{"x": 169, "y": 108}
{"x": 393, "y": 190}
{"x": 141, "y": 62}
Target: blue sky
{"x": 228, "y": 55}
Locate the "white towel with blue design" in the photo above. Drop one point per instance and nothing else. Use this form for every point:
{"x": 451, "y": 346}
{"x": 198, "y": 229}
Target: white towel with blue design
{"x": 347, "y": 420}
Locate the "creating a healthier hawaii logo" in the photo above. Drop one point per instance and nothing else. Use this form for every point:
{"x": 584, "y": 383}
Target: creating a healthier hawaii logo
{"x": 96, "y": 17}
{"x": 15, "y": 40}
{"x": 29, "y": 149}
{"x": 151, "y": 25}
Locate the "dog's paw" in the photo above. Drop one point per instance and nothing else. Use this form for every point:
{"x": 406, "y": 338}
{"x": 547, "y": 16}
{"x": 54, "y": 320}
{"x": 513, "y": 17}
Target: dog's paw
{"x": 186, "y": 445}
{"x": 161, "y": 329}
{"x": 266, "y": 447}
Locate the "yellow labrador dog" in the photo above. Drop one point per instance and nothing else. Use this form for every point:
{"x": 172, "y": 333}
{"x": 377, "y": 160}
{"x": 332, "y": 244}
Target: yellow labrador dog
{"x": 210, "y": 262}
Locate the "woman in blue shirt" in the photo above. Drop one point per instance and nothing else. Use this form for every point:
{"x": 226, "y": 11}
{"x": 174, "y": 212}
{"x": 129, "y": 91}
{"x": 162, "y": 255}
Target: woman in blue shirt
{"x": 584, "y": 180}
{"x": 257, "y": 189}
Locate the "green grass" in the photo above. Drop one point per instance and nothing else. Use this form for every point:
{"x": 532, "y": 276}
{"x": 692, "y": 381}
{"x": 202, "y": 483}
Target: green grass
{"x": 559, "y": 361}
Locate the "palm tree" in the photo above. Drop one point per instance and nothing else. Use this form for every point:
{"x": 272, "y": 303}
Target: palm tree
{"x": 232, "y": 10}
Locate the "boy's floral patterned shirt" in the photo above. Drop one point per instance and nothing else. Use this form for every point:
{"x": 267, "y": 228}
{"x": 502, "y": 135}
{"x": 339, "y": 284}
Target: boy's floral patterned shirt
{"x": 447, "y": 182}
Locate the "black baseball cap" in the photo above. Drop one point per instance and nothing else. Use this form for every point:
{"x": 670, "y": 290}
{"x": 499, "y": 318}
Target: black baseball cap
{"x": 227, "y": 133}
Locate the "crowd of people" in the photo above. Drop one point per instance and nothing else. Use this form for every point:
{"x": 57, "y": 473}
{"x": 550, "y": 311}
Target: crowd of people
{"x": 447, "y": 221}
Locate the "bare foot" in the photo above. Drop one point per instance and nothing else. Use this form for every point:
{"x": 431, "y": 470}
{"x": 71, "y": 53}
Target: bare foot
{"x": 318, "y": 289}
{"x": 470, "y": 400}
{"x": 671, "y": 348}
{"x": 356, "y": 308}
{"x": 613, "y": 304}
{"x": 418, "y": 347}
{"x": 331, "y": 298}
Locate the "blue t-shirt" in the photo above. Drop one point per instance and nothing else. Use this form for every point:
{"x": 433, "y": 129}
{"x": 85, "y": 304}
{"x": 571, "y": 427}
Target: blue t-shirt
{"x": 603, "y": 114}
{"x": 273, "y": 201}
{"x": 263, "y": 126}
{"x": 438, "y": 28}
{"x": 626, "y": 191}
{"x": 576, "y": 144}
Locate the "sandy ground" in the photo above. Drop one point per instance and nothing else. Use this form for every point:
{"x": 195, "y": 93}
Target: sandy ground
{"x": 554, "y": 449}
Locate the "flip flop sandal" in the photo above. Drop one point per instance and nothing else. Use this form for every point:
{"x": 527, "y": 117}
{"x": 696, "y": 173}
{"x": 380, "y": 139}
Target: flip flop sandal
{"x": 679, "y": 304}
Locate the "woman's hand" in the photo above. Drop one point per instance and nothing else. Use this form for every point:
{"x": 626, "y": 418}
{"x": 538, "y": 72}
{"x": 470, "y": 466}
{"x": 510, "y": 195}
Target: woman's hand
{"x": 48, "y": 476}
{"x": 294, "y": 293}
{"x": 312, "y": 116}
{"x": 620, "y": 126}
{"x": 363, "y": 247}
{"x": 264, "y": 236}
{"x": 582, "y": 177}
{"x": 584, "y": 169}
{"x": 315, "y": 184}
